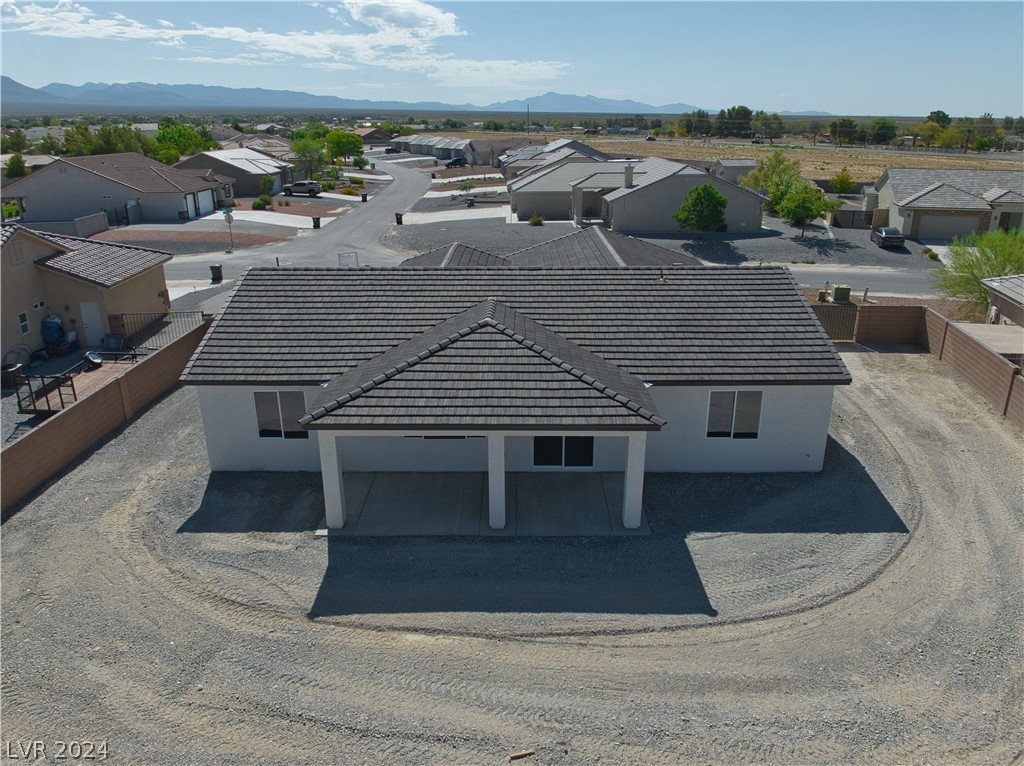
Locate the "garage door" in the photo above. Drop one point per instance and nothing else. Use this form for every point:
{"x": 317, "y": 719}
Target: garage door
{"x": 207, "y": 204}
{"x": 945, "y": 227}
{"x": 190, "y": 203}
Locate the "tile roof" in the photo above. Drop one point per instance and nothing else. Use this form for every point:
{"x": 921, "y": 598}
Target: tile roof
{"x": 1010, "y": 287}
{"x": 597, "y": 246}
{"x": 907, "y": 182}
{"x": 1003, "y": 196}
{"x": 943, "y": 196}
{"x": 707, "y": 325}
{"x": 106, "y": 264}
{"x": 454, "y": 256}
{"x": 140, "y": 173}
{"x": 739, "y": 162}
{"x": 487, "y": 367}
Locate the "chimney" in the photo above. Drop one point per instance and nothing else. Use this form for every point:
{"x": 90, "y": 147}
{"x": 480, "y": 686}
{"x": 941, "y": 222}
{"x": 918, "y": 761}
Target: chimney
{"x": 627, "y": 180}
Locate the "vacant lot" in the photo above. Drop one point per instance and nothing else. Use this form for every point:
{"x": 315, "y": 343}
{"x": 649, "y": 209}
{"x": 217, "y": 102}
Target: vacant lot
{"x": 815, "y": 162}
{"x": 871, "y": 613}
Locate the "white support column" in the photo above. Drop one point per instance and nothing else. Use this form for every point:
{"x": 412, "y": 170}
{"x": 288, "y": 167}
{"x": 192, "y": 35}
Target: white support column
{"x": 633, "y": 494}
{"x": 496, "y": 480}
{"x": 334, "y": 488}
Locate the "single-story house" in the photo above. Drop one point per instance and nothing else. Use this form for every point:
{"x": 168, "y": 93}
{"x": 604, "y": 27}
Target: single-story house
{"x": 524, "y": 158}
{"x": 491, "y": 370}
{"x": 81, "y": 281}
{"x": 439, "y": 147}
{"x": 629, "y": 196}
{"x": 486, "y": 151}
{"x": 127, "y": 186}
{"x": 246, "y": 167}
{"x": 593, "y": 246}
{"x": 1006, "y": 299}
{"x": 645, "y": 202}
{"x": 32, "y": 161}
{"x": 264, "y": 143}
{"x": 732, "y": 170}
{"x": 372, "y": 135}
{"x": 933, "y": 204}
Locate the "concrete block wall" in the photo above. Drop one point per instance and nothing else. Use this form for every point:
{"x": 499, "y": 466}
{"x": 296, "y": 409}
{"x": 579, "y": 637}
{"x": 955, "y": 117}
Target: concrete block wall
{"x": 889, "y": 324}
{"x": 989, "y": 373}
{"x": 1015, "y": 403}
{"x": 49, "y": 448}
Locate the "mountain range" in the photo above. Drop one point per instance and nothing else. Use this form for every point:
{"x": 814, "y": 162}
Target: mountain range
{"x": 94, "y": 96}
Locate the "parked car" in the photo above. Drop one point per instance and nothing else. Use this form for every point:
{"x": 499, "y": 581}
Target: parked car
{"x": 887, "y": 236}
{"x": 757, "y": 141}
{"x": 312, "y": 188}
{"x": 458, "y": 162}
{"x": 392, "y": 150}
{"x": 650, "y": 138}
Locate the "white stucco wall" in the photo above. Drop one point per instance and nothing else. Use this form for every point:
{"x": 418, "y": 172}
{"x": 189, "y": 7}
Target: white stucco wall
{"x": 792, "y": 434}
{"x": 233, "y": 442}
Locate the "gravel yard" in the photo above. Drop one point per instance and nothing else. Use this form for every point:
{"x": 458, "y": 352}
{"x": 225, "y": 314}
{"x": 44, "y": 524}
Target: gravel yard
{"x": 870, "y": 613}
{"x": 493, "y": 235}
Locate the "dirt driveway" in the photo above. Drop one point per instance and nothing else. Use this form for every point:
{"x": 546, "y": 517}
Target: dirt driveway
{"x": 872, "y": 613}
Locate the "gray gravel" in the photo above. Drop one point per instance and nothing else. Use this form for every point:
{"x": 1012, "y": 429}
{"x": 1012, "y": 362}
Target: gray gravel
{"x": 492, "y": 235}
{"x": 871, "y": 613}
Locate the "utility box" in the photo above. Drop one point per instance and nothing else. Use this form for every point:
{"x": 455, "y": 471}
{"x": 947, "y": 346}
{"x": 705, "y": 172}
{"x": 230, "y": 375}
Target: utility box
{"x": 841, "y": 294}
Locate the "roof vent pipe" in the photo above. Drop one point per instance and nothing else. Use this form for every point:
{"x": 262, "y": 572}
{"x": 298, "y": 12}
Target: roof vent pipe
{"x": 627, "y": 180}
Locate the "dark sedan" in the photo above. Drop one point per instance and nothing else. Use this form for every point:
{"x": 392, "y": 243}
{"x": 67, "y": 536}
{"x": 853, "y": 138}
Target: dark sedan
{"x": 887, "y": 236}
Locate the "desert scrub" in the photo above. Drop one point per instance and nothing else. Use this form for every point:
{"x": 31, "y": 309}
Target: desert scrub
{"x": 536, "y": 220}
{"x": 350, "y": 192}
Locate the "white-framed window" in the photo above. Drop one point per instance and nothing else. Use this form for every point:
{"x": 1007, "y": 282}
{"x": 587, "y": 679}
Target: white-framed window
{"x": 278, "y": 413}
{"x": 40, "y": 304}
{"x": 23, "y": 324}
{"x": 563, "y": 451}
{"x": 734, "y": 414}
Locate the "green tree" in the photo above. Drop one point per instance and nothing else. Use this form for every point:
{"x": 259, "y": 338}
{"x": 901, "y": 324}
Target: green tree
{"x": 986, "y": 125}
{"x": 16, "y": 166}
{"x": 842, "y": 182}
{"x": 78, "y": 141}
{"x": 734, "y": 121}
{"x": 929, "y": 132}
{"x": 805, "y": 203}
{"x": 48, "y": 144}
{"x": 980, "y": 256}
{"x": 15, "y": 141}
{"x": 175, "y": 139}
{"x": 702, "y": 210}
{"x": 341, "y": 143}
{"x": 768, "y": 125}
{"x": 267, "y": 185}
{"x": 844, "y": 130}
{"x": 940, "y": 118}
{"x": 310, "y": 153}
{"x": 114, "y": 139}
{"x": 775, "y": 175}
{"x": 882, "y": 130}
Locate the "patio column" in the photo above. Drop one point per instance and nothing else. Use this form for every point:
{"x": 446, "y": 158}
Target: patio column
{"x": 633, "y": 493}
{"x": 496, "y": 480}
{"x": 334, "y": 488}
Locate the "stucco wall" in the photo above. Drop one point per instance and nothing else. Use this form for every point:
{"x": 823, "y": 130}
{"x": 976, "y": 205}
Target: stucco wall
{"x": 233, "y": 442}
{"x": 792, "y": 433}
{"x": 554, "y": 206}
{"x": 139, "y": 295}
{"x": 649, "y": 209}
{"x": 20, "y": 286}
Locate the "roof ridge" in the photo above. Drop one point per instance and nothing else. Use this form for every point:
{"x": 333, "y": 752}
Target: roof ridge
{"x": 608, "y": 245}
{"x": 449, "y": 254}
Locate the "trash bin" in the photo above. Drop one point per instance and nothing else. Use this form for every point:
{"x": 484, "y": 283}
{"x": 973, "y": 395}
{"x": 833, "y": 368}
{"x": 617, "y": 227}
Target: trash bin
{"x": 398, "y": 218}
{"x": 7, "y": 373}
{"x": 435, "y": 163}
{"x": 433, "y": 175}
{"x": 363, "y": 196}
{"x": 373, "y": 166}
{"x": 316, "y": 222}
{"x": 216, "y": 272}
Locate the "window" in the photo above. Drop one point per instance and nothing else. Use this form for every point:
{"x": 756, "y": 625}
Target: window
{"x": 567, "y": 451}
{"x": 734, "y": 414}
{"x": 278, "y": 413}
{"x": 39, "y": 305}
{"x": 26, "y": 328}
{"x": 17, "y": 254}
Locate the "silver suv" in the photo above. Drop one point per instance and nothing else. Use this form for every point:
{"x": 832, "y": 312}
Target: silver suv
{"x": 312, "y": 188}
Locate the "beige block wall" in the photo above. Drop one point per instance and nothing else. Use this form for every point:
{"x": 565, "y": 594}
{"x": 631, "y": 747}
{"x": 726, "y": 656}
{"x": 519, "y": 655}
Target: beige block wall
{"x": 143, "y": 294}
{"x": 20, "y": 286}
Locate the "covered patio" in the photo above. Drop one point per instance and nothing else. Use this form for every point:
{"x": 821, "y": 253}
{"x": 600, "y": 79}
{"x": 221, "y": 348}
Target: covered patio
{"x": 383, "y": 504}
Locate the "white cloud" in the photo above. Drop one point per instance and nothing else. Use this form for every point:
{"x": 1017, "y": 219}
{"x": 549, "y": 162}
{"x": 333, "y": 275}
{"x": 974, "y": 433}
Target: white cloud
{"x": 401, "y": 35}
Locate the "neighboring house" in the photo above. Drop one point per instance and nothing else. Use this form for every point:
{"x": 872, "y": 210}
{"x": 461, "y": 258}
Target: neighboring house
{"x": 245, "y": 167}
{"x": 32, "y": 161}
{"x": 646, "y": 202}
{"x": 629, "y": 196}
{"x": 487, "y": 151}
{"x": 264, "y": 143}
{"x": 126, "y": 186}
{"x": 81, "y": 281}
{"x": 372, "y": 135}
{"x": 733, "y": 170}
{"x": 517, "y": 161}
{"x": 517, "y": 169}
{"x": 493, "y": 370}
{"x": 929, "y": 204}
{"x": 591, "y": 247}
{"x": 439, "y": 147}
{"x": 1006, "y": 299}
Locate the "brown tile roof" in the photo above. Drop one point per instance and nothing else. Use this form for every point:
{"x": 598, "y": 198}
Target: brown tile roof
{"x": 141, "y": 173}
{"x": 106, "y": 264}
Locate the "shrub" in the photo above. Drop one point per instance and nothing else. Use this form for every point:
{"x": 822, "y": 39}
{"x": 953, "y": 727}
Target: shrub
{"x": 286, "y": 203}
{"x": 266, "y": 200}
{"x": 330, "y": 185}
{"x": 360, "y": 162}
{"x": 259, "y": 204}
{"x": 980, "y": 256}
{"x": 465, "y": 187}
{"x": 356, "y": 181}
{"x": 349, "y": 192}
{"x": 536, "y": 220}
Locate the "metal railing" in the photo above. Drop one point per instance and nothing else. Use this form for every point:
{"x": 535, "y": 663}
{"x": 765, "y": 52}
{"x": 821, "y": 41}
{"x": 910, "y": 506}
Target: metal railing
{"x": 155, "y": 330}
{"x": 44, "y": 394}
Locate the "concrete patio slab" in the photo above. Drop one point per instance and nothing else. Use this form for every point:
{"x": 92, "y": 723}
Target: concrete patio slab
{"x": 555, "y": 504}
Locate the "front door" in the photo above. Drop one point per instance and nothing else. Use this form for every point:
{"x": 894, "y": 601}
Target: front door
{"x": 92, "y": 323}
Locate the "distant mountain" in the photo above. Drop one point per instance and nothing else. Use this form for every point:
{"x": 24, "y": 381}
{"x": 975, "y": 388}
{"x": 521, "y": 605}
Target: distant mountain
{"x": 806, "y": 114}
{"x": 95, "y": 96}
{"x": 567, "y": 103}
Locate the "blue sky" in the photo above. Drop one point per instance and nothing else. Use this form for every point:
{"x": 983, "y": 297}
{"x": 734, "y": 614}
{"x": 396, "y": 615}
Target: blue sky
{"x": 863, "y": 58}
